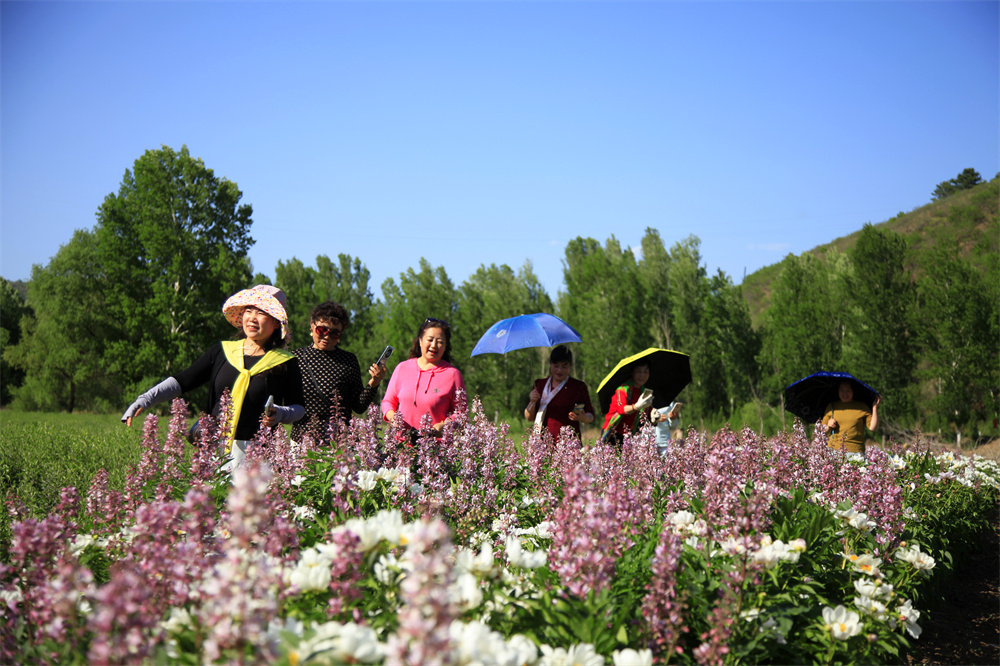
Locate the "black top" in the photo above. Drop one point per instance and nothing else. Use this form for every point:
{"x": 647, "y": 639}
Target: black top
{"x": 283, "y": 382}
{"x": 331, "y": 384}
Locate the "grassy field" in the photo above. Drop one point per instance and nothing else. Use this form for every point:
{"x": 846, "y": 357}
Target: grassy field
{"x": 42, "y": 453}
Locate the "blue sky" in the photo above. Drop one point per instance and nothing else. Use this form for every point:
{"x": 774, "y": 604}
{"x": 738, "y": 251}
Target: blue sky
{"x": 471, "y": 133}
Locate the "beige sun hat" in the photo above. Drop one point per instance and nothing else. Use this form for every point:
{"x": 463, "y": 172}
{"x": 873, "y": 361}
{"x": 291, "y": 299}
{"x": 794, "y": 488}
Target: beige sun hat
{"x": 264, "y": 297}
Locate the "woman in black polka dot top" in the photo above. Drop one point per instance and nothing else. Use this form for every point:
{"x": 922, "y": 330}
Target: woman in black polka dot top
{"x": 331, "y": 377}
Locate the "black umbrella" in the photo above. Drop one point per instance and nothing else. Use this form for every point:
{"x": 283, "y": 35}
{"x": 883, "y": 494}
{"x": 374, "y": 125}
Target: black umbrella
{"x": 808, "y": 397}
{"x": 669, "y": 373}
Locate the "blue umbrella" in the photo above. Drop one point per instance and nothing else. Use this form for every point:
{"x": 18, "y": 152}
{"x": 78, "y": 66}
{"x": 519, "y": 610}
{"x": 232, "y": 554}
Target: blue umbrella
{"x": 808, "y": 397}
{"x": 523, "y": 331}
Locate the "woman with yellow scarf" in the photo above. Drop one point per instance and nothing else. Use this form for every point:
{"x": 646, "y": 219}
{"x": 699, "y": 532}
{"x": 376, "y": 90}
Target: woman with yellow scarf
{"x": 254, "y": 367}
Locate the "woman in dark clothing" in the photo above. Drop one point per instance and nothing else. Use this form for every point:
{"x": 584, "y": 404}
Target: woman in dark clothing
{"x": 331, "y": 377}
{"x": 559, "y": 400}
{"x": 252, "y": 368}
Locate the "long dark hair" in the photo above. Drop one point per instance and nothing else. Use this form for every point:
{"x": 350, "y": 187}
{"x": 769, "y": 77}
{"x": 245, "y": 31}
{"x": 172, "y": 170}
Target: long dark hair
{"x": 430, "y": 322}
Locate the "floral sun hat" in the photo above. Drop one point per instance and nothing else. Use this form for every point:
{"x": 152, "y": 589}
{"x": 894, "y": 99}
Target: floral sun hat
{"x": 265, "y": 298}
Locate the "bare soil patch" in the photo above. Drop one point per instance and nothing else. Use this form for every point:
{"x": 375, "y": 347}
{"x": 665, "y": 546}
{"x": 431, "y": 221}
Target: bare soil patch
{"x": 964, "y": 628}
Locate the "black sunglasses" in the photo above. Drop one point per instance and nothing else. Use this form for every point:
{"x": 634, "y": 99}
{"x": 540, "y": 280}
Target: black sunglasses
{"x": 432, "y": 320}
{"x": 324, "y": 331}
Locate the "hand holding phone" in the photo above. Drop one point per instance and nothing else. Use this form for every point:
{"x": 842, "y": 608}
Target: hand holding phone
{"x": 269, "y": 409}
{"x": 386, "y": 353}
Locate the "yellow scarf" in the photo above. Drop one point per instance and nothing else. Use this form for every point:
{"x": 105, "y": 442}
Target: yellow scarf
{"x": 233, "y": 350}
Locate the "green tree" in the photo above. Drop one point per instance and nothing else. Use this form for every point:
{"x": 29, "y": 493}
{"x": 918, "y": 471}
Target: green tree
{"x": 803, "y": 327}
{"x": 959, "y": 328}
{"x": 173, "y": 244}
{"x": 968, "y": 179}
{"x": 62, "y": 344}
{"x": 490, "y": 294}
{"x": 654, "y": 271}
{"x": 730, "y": 348}
{"x": 878, "y": 346}
{"x": 13, "y": 309}
{"x": 345, "y": 282}
{"x": 605, "y": 301}
{"x": 428, "y": 292}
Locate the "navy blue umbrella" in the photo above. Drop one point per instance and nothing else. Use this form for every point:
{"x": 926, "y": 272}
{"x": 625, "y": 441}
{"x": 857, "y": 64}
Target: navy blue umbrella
{"x": 523, "y": 331}
{"x": 808, "y": 397}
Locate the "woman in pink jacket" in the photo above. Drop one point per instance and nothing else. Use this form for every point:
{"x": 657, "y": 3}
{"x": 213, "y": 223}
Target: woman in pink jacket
{"x": 427, "y": 382}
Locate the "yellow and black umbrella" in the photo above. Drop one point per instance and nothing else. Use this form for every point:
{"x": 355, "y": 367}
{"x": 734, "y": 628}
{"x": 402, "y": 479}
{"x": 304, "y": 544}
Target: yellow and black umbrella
{"x": 669, "y": 373}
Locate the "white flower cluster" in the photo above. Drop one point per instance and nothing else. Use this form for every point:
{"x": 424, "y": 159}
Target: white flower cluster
{"x": 920, "y": 561}
{"x": 772, "y": 552}
{"x": 855, "y": 519}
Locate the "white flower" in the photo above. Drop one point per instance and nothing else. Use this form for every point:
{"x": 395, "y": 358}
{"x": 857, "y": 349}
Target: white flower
{"x": 388, "y": 475}
{"x": 733, "y": 546}
{"x": 521, "y": 650}
{"x": 542, "y": 529}
{"x": 681, "y": 520}
{"x": 908, "y": 615}
{"x": 872, "y": 607}
{"x": 482, "y": 564}
{"x": 311, "y": 573}
{"x": 368, "y": 531}
{"x": 841, "y": 622}
{"x": 80, "y": 543}
{"x": 518, "y": 557}
{"x": 390, "y": 525}
{"x": 304, "y": 513}
{"x": 387, "y": 569}
{"x": 920, "y": 561}
{"x": 358, "y": 644}
{"x": 630, "y": 657}
{"x": 865, "y": 563}
{"x": 178, "y": 620}
{"x": 367, "y": 479}
{"x": 582, "y": 654}
{"x": 874, "y": 588}
{"x": 416, "y": 489}
{"x": 297, "y": 480}
{"x": 466, "y": 592}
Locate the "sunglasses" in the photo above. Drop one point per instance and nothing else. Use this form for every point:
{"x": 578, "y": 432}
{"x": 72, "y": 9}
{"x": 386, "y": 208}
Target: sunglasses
{"x": 432, "y": 320}
{"x": 324, "y": 331}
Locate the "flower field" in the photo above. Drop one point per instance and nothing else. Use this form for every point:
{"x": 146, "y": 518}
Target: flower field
{"x": 474, "y": 549}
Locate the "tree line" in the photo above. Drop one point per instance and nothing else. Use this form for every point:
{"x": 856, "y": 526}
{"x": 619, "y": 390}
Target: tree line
{"x": 138, "y": 297}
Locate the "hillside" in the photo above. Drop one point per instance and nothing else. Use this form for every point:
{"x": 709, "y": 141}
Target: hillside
{"x": 970, "y": 217}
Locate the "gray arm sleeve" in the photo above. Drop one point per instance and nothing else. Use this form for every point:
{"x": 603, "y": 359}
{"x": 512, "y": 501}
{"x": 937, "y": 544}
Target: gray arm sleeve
{"x": 168, "y": 389}
{"x": 289, "y": 414}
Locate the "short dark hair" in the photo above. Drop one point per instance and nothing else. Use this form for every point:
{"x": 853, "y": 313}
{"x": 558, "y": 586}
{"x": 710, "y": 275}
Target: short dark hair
{"x": 560, "y": 354}
{"x": 329, "y": 310}
{"x": 430, "y": 322}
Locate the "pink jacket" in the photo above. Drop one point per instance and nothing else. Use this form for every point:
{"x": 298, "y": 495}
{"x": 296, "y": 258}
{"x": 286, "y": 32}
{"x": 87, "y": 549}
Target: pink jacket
{"x": 414, "y": 392}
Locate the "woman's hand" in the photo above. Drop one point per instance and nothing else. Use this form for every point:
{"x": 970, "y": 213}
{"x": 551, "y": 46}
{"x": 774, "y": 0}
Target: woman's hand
{"x": 377, "y": 371}
{"x": 128, "y": 421}
{"x": 832, "y": 424}
{"x": 534, "y": 396}
{"x": 270, "y": 419}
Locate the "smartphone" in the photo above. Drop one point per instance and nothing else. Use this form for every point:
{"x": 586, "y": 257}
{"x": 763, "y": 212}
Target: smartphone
{"x": 578, "y": 408}
{"x": 386, "y": 353}
{"x": 269, "y": 406}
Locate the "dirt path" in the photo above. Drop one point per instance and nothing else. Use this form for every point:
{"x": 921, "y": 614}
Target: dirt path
{"x": 965, "y": 628}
